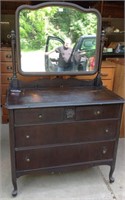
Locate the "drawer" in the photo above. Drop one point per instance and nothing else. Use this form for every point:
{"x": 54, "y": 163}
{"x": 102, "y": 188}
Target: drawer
{"x": 97, "y": 112}
{"x": 107, "y": 73}
{"x": 46, "y": 115}
{"x": 4, "y": 110}
{"x": 32, "y": 116}
{"x": 6, "y": 67}
{"x": 6, "y": 77}
{"x": 4, "y": 89}
{"x": 3, "y": 99}
{"x": 64, "y": 133}
{"x": 5, "y": 119}
{"x": 53, "y": 156}
{"x": 6, "y": 55}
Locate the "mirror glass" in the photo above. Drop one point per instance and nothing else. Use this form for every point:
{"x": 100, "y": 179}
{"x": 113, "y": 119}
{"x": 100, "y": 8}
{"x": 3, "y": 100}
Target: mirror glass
{"x": 57, "y": 39}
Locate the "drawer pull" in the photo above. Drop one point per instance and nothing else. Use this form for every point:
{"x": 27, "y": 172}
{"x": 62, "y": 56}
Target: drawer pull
{"x": 107, "y": 130}
{"x": 27, "y": 136}
{"x": 9, "y": 68}
{"x": 104, "y": 74}
{"x": 9, "y": 78}
{"x": 8, "y": 56}
{"x": 27, "y": 159}
{"x": 104, "y": 151}
{"x": 40, "y": 116}
{"x": 97, "y": 112}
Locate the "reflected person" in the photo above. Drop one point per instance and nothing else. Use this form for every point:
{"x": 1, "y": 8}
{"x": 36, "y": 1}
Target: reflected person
{"x": 64, "y": 55}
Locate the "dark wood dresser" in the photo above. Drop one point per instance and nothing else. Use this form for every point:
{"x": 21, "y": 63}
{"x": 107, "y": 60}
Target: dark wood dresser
{"x": 59, "y": 123}
{"x": 62, "y": 125}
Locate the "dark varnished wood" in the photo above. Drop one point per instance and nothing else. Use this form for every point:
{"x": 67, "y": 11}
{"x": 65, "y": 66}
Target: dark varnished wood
{"x": 62, "y": 124}
{"x": 65, "y": 133}
{"x": 60, "y": 155}
{"x": 61, "y": 95}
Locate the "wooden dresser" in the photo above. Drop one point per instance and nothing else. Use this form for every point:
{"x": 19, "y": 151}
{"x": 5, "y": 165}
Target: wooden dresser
{"x": 6, "y": 74}
{"x": 61, "y": 117}
{"x": 61, "y": 124}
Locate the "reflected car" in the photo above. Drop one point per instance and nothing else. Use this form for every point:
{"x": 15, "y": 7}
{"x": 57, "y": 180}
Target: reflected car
{"x": 82, "y": 56}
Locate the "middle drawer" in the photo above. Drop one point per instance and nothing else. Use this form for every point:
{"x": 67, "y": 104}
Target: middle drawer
{"x": 65, "y": 132}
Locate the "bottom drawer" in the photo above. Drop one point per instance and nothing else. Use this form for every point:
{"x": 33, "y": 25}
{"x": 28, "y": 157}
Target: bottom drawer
{"x": 51, "y": 156}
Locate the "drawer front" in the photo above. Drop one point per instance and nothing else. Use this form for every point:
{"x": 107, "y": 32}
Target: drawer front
{"x": 107, "y": 73}
{"x": 6, "y": 78}
{"x": 4, "y": 89}
{"x": 64, "y": 133}
{"x": 63, "y": 155}
{"x": 42, "y": 115}
{"x": 3, "y": 99}
{"x": 4, "y": 110}
{"x": 6, "y": 67}
{"x": 6, "y": 55}
{"x": 97, "y": 112}
{"x": 5, "y": 119}
{"x": 32, "y": 116}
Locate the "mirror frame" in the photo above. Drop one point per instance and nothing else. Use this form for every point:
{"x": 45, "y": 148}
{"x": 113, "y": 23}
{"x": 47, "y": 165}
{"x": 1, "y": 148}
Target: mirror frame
{"x": 65, "y": 4}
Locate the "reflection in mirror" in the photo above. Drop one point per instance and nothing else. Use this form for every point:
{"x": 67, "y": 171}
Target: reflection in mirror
{"x": 57, "y": 38}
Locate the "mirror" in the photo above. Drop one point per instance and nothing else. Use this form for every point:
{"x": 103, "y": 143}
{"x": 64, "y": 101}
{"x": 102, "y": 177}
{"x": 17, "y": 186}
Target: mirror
{"x": 57, "y": 38}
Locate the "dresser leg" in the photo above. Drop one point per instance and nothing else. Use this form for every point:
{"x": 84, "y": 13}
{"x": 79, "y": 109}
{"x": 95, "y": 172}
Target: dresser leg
{"x": 111, "y": 179}
{"x": 14, "y": 192}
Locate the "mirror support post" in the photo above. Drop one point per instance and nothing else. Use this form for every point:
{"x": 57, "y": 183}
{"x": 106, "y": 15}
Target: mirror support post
{"x": 101, "y": 49}
{"x": 98, "y": 81}
{"x": 14, "y": 85}
{"x": 13, "y": 53}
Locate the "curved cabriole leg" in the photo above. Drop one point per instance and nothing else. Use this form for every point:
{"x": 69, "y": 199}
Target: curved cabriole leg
{"x": 111, "y": 179}
{"x": 14, "y": 192}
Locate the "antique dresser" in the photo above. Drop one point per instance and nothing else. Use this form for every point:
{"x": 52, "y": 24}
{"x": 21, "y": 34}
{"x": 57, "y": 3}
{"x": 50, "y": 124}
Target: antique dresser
{"x": 59, "y": 122}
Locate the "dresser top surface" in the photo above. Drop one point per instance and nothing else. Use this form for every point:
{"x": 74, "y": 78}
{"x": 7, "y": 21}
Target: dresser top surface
{"x": 54, "y": 97}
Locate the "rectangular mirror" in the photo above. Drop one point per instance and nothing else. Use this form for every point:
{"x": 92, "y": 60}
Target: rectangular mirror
{"x": 57, "y": 39}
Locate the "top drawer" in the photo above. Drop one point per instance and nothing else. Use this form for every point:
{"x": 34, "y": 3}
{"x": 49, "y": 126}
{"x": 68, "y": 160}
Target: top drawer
{"x": 45, "y": 115}
{"x": 97, "y": 112}
{"x": 6, "y": 55}
{"x": 37, "y": 115}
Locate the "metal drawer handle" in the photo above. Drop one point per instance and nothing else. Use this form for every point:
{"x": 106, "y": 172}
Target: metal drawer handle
{"x": 8, "y": 56}
{"x": 27, "y": 159}
{"x": 27, "y": 136}
{"x": 107, "y": 130}
{"x": 98, "y": 112}
{"x": 9, "y": 68}
{"x": 104, "y": 151}
{"x": 40, "y": 116}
